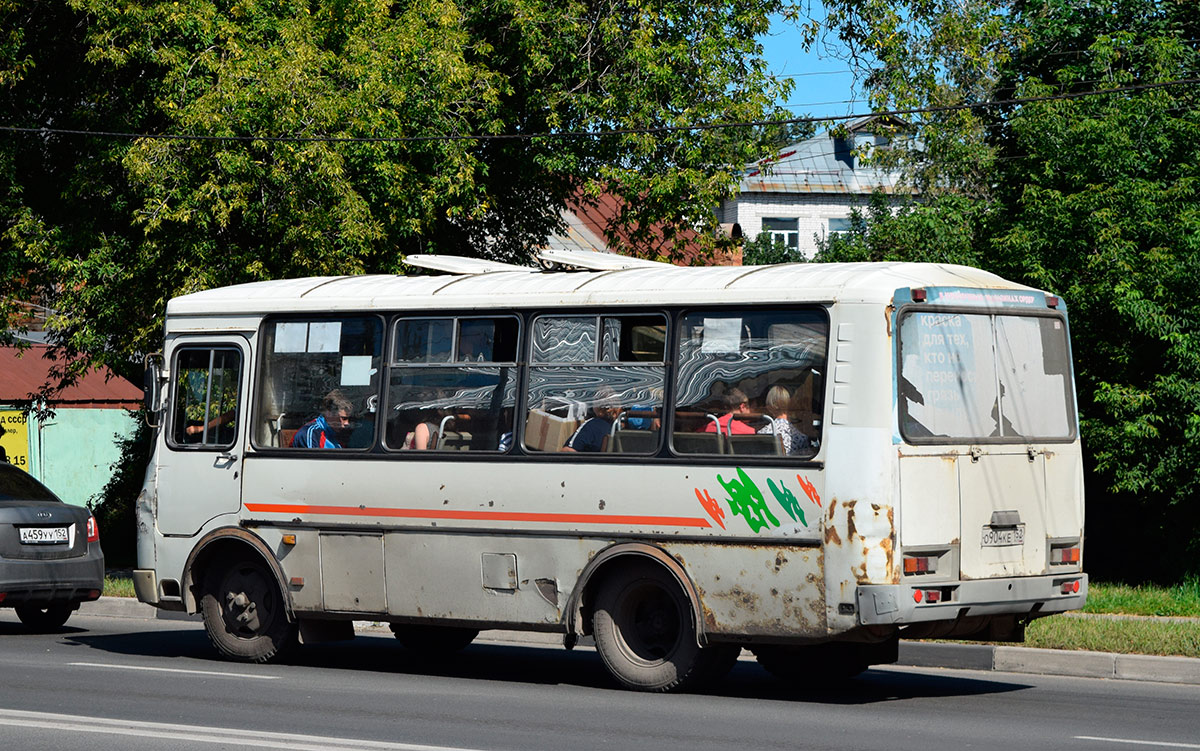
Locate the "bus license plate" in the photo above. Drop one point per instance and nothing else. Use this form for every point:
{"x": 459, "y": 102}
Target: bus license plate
{"x": 1002, "y": 537}
{"x": 43, "y": 535}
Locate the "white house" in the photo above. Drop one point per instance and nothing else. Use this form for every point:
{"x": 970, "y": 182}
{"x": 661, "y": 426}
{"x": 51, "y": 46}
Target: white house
{"x": 808, "y": 189}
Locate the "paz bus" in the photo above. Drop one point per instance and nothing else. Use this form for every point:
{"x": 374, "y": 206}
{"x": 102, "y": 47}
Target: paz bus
{"x": 808, "y": 461}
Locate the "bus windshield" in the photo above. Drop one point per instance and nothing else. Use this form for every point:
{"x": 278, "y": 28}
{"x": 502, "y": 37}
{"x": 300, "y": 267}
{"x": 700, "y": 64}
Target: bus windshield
{"x": 981, "y": 376}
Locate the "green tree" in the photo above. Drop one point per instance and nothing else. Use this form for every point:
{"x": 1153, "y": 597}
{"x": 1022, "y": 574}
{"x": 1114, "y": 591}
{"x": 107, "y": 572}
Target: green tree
{"x": 237, "y": 178}
{"x": 766, "y": 249}
{"x": 1091, "y": 196}
{"x": 944, "y": 232}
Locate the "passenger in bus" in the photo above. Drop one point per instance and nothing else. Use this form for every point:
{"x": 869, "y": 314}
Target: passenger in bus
{"x": 645, "y": 416}
{"x": 593, "y": 434}
{"x": 779, "y": 402}
{"x": 737, "y": 404}
{"x": 330, "y": 428}
{"x": 422, "y": 437}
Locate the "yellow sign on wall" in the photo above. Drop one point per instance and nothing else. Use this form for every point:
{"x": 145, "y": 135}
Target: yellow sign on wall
{"x": 14, "y": 438}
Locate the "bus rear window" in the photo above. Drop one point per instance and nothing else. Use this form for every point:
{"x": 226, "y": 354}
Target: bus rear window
{"x": 977, "y": 376}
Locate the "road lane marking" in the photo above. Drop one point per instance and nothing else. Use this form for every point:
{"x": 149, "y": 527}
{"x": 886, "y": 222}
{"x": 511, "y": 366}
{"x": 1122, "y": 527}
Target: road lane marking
{"x": 203, "y": 734}
{"x": 1164, "y": 744}
{"x": 217, "y": 673}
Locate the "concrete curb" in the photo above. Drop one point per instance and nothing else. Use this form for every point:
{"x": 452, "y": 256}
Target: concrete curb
{"x": 917, "y": 654}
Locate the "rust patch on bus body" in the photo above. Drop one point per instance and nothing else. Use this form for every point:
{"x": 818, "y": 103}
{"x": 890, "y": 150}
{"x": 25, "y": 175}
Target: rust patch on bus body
{"x": 870, "y": 539}
{"x": 781, "y": 595}
{"x": 831, "y": 533}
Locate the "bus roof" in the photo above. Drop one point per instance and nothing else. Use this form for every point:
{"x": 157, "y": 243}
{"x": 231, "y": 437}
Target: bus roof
{"x": 678, "y": 285}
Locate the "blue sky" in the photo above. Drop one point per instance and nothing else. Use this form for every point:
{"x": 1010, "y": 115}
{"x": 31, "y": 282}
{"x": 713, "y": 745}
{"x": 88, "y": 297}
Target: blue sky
{"x": 823, "y": 84}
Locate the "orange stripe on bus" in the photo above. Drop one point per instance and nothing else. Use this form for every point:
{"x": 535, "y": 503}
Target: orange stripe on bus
{"x": 507, "y": 516}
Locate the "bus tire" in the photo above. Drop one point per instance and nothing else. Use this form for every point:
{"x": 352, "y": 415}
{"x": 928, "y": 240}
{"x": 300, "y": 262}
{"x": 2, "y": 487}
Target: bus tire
{"x": 244, "y": 613}
{"x": 644, "y": 631}
{"x": 796, "y": 664}
{"x": 44, "y": 618}
{"x": 436, "y": 640}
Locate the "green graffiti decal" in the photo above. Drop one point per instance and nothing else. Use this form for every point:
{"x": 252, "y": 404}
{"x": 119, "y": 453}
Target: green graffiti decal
{"x": 746, "y": 500}
{"x": 787, "y": 499}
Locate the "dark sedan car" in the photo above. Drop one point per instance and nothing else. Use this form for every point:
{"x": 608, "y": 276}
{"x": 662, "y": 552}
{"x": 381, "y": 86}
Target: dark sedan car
{"x": 50, "y": 557}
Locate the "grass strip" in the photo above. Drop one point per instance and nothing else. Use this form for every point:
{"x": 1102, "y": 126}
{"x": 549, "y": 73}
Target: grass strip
{"x": 1119, "y": 635}
{"x": 1183, "y": 599}
{"x": 118, "y": 586}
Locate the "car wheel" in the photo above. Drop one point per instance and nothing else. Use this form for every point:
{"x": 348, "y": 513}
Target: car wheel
{"x": 645, "y": 633}
{"x": 434, "y": 640}
{"x": 42, "y": 618}
{"x": 244, "y": 612}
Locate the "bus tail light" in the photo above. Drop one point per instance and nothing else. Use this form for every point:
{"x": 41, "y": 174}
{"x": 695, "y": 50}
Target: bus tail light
{"x": 92, "y": 594}
{"x": 919, "y": 295}
{"x": 1051, "y": 301}
{"x": 1070, "y": 587}
{"x": 930, "y": 596}
{"x": 920, "y": 564}
{"x": 1064, "y": 555}
{"x": 93, "y": 530}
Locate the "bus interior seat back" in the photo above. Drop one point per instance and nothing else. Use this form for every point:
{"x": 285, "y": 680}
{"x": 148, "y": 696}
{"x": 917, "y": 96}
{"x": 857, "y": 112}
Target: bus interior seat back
{"x": 288, "y": 424}
{"x": 452, "y": 440}
{"x": 634, "y": 441}
{"x": 761, "y": 444}
{"x": 698, "y": 443}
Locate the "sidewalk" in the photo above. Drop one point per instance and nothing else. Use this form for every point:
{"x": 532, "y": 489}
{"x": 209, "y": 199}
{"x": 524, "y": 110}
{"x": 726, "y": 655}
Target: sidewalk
{"x": 917, "y": 654}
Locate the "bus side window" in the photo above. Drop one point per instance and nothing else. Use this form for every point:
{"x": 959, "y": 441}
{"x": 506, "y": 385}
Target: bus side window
{"x": 206, "y": 385}
{"x": 750, "y": 380}
{"x": 452, "y": 384}
{"x": 596, "y": 383}
{"x": 304, "y": 361}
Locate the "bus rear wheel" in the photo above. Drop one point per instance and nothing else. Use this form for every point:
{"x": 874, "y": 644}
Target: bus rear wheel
{"x": 244, "y": 612}
{"x": 644, "y": 631}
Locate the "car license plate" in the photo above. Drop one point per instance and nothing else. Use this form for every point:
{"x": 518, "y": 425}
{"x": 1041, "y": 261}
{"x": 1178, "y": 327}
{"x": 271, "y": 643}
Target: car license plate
{"x": 43, "y": 535}
{"x": 1002, "y": 537}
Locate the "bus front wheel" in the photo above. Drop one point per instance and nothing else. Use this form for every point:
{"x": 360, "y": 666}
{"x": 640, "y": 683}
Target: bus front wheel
{"x": 644, "y": 631}
{"x": 244, "y": 612}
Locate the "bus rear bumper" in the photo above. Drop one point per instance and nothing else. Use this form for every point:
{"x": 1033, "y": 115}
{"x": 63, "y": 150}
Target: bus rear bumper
{"x": 884, "y": 604}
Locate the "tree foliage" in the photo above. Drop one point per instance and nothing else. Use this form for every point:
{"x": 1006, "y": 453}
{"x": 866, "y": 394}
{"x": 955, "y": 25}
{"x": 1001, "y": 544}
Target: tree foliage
{"x": 1094, "y": 197}
{"x": 269, "y": 148}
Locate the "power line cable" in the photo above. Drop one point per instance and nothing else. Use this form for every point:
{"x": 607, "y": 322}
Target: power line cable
{"x": 549, "y": 135}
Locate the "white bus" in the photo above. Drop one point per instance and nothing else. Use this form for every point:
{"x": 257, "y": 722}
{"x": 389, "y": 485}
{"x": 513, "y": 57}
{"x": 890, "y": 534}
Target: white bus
{"x": 808, "y": 461}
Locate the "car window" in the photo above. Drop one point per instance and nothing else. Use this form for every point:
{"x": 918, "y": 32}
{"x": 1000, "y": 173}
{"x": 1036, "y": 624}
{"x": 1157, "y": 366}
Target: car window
{"x": 16, "y": 485}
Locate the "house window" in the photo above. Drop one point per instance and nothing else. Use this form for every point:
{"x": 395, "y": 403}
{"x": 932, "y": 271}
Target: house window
{"x": 786, "y": 231}
{"x": 838, "y": 225}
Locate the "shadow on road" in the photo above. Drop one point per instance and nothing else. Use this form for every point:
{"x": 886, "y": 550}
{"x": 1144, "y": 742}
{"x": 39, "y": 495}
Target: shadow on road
{"x": 506, "y": 663}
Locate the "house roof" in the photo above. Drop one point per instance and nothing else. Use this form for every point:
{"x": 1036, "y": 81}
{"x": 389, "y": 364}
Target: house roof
{"x": 23, "y": 373}
{"x": 825, "y": 163}
{"x": 588, "y": 218}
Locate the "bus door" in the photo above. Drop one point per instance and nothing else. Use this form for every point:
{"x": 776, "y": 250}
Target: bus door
{"x": 199, "y": 472}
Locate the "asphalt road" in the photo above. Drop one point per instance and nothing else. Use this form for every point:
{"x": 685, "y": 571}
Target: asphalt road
{"x": 128, "y": 683}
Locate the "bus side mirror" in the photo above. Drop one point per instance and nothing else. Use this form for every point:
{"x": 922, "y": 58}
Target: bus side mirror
{"x": 153, "y": 377}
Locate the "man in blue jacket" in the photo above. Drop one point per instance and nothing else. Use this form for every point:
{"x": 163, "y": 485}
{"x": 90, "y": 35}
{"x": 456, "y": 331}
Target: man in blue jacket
{"x": 328, "y": 429}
